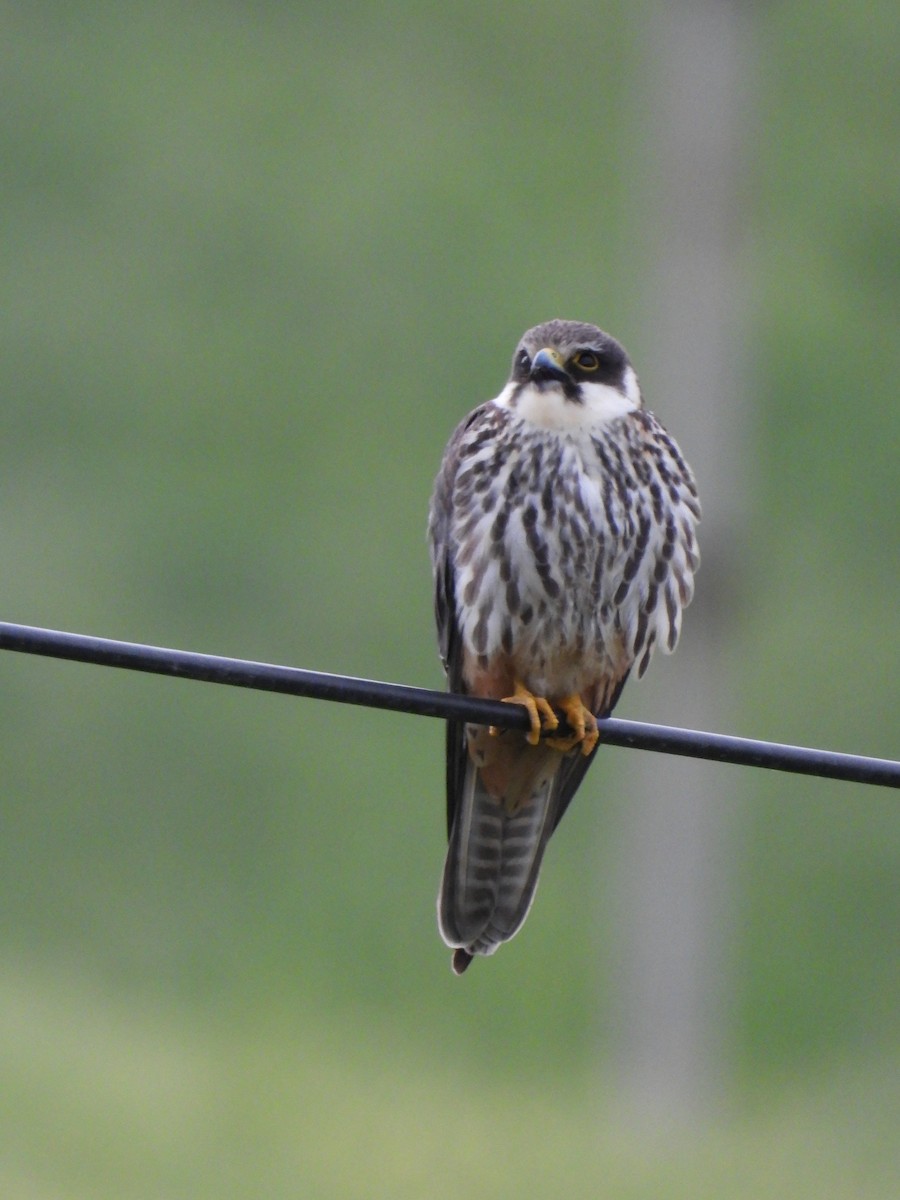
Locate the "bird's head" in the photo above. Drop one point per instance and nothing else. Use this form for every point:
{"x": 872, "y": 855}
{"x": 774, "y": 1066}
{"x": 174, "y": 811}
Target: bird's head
{"x": 567, "y": 373}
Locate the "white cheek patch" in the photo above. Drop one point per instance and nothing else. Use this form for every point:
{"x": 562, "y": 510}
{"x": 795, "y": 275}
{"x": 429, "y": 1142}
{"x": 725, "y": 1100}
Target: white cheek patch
{"x": 504, "y": 400}
{"x": 605, "y": 403}
{"x": 632, "y": 387}
{"x": 548, "y": 407}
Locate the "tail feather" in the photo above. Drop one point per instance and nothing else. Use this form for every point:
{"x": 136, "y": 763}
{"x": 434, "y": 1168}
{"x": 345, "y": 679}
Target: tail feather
{"x": 493, "y": 861}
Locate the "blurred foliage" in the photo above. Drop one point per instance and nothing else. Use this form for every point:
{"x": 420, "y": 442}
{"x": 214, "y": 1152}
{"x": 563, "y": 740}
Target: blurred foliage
{"x": 258, "y": 260}
{"x": 123, "y": 1097}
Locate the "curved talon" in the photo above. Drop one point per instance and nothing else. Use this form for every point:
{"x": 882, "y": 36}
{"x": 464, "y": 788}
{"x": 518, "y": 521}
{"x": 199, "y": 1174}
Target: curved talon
{"x": 583, "y": 723}
{"x": 540, "y": 713}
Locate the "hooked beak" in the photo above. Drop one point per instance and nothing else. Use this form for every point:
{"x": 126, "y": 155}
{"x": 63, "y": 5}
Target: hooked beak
{"x": 547, "y": 364}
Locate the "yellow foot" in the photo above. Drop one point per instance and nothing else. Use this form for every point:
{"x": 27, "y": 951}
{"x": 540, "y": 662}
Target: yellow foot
{"x": 583, "y": 724}
{"x": 540, "y": 712}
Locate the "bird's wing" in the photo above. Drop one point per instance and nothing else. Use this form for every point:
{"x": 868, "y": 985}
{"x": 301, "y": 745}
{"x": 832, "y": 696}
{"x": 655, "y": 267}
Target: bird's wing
{"x": 574, "y": 766}
{"x": 449, "y": 640}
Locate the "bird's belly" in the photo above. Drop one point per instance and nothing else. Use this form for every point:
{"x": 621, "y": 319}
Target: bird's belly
{"x": 564, "y": 650}
{"x": 532, "y": 607}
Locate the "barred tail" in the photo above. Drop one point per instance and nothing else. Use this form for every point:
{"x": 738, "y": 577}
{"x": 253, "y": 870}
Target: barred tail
{"x": 492, "y": 866}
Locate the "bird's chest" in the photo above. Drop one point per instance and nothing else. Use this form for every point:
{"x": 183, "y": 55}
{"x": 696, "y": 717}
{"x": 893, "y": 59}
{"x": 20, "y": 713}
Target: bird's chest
{"x": 539, "y": 527}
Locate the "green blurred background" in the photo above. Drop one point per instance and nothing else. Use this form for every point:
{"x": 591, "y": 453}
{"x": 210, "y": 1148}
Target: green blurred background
{"x": 258, "y": 260}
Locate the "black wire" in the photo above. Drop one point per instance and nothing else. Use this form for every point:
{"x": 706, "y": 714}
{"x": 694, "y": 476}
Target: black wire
{"x": 344, "y": 689}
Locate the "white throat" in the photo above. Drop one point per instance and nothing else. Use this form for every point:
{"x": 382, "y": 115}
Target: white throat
{"x": 548, "y": 407}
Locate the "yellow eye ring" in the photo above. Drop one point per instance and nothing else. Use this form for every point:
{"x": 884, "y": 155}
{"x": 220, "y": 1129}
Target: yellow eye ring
{"x": 586, "y": 360}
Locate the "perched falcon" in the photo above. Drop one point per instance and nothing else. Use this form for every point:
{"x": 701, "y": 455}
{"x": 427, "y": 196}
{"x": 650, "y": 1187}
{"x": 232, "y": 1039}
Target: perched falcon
{"x": 562, "y": 536}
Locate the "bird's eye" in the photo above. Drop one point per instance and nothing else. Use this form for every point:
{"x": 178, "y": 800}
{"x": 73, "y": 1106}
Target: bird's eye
{"x": 523, "y": 361}
{"x": 586, "y": 360}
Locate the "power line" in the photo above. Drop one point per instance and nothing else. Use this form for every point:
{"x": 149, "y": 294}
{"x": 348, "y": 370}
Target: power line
{"x": 345, "y": 689}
